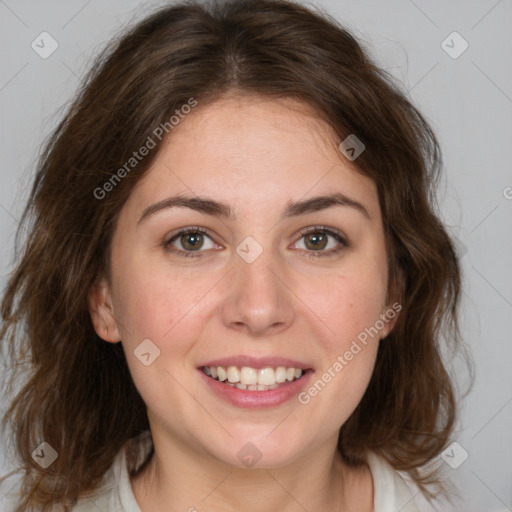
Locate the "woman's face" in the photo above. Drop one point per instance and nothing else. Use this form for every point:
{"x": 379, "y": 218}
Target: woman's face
{"x": 255, "y": 291}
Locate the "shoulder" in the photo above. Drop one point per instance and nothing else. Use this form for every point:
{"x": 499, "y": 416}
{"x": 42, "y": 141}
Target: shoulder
{"x": 10, "y": 496}
{"x": 101, "y": 501}
{"x": 114, "y": 492}
{"x": 10, "y": 493}
{"x": 105, "y": 497}
{"x": 393, "y": 491}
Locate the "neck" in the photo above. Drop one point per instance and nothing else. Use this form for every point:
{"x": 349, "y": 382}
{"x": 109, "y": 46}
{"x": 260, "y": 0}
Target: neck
{"x": 191, "y": 482}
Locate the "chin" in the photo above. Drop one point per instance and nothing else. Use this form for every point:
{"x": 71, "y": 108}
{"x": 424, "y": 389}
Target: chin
{"x": 258, "y": 450}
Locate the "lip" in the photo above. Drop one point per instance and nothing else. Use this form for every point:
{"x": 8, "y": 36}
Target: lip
{"x": 256, "y": 362}
{"x": 256, "y": 399}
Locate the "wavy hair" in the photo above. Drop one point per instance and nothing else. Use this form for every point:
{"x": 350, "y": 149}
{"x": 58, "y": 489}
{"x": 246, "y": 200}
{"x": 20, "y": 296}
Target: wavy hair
{"x": 76, "y": 390}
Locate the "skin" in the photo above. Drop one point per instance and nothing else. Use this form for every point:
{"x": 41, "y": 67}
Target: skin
{"x": 255, "y": 155}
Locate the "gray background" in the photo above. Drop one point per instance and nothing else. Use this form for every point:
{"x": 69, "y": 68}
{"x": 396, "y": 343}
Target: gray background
{"x": 468, "y": 101}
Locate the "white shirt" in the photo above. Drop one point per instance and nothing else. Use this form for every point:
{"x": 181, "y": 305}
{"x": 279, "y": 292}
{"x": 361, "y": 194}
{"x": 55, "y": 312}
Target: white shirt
{"x": 392, "y": 492}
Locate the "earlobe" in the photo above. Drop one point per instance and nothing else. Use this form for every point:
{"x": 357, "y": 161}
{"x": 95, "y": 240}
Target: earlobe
{"x": 102, "y": 312}
{"x": 390, "y": 316}
{"x": 393, "y": 302}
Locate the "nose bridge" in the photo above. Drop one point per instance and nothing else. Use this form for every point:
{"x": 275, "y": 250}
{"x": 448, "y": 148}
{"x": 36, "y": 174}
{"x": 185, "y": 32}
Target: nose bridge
{"x": 258, "y": 298}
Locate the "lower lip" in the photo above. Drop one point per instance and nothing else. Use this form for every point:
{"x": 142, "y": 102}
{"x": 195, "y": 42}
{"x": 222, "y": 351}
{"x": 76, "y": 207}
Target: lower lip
{"x": 257, "y": 399}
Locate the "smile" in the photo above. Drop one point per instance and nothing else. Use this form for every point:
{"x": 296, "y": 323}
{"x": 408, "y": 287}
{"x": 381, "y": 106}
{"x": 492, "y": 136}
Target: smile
{"x": 252, "y": 379}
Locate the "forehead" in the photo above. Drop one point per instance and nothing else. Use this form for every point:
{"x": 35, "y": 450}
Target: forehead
{"x": 236, "y": 128}
{"x": 251, "y": 150}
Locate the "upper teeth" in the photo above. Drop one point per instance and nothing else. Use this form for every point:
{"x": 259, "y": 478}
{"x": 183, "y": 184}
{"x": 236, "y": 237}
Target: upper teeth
{"x": 247, "y": 375}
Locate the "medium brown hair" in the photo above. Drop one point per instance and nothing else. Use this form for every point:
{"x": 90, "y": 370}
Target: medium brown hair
{"x": 77, "y": 393}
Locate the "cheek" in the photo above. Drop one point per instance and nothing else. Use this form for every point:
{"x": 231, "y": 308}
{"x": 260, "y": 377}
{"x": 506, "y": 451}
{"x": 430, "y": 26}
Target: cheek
{"x": 349, "y": 305}
{"x": 159, "y": 304}
{"x": 349, "y": 335}
{"x": 161, "y": 310}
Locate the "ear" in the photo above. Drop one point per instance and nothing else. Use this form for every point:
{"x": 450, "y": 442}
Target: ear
{"x": 389, "y": 316}
{"x": 102, "y": 312}
{"x": 393, "y": 302}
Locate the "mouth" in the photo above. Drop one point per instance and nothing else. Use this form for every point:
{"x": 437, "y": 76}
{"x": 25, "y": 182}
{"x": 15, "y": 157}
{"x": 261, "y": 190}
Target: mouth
{"x": 247, "y": 378}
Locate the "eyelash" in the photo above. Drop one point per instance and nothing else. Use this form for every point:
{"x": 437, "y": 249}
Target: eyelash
{"x": 312, "y": 254}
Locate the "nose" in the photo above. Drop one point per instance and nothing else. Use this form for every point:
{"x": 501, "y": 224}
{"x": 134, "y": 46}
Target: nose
{"x": 259, "y": 298}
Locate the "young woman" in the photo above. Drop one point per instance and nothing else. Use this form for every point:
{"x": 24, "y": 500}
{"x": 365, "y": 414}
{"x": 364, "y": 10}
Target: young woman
{"x": 235, "y": 285}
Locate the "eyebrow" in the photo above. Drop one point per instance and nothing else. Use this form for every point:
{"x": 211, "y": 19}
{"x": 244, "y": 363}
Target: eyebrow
{"x": 217, "y": 209}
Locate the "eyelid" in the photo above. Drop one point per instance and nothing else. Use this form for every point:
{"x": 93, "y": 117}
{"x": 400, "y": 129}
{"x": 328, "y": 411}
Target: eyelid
{"x": 326, "y": 229}
{"x": 189, "y": 229}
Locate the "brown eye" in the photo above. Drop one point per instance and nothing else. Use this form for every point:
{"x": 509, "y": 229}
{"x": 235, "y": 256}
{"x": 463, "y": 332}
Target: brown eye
{"x": 316, "y": 241}
{"x": 192, "y": 240}
{"x": 188, "y": 241}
